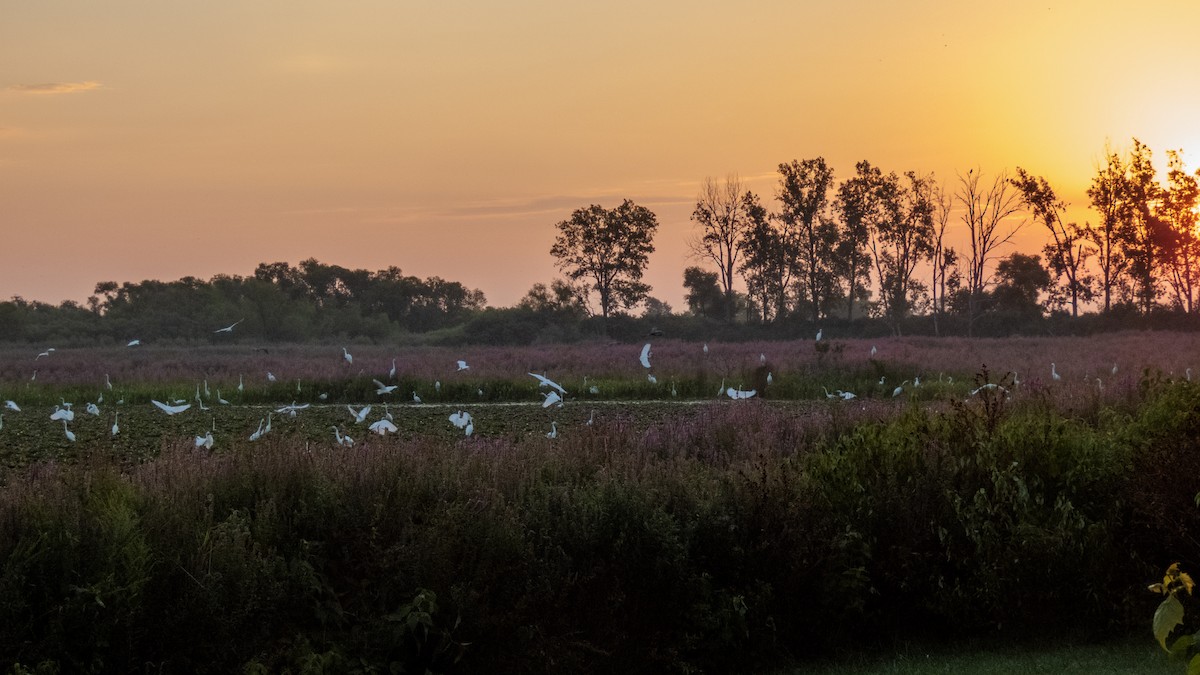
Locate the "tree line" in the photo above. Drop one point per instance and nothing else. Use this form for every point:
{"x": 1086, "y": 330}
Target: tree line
{"x": 866, "y": 252}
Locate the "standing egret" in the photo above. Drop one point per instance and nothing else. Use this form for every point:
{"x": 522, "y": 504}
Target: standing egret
{"x": 706, "y": 349}
{"x": 899, "y": 390}
{"x": 100, "y": 398}
{"x": 221, "y": 400}
{"x": 461, "y": 419}
{"x": 258, "y": 434}
{"x": 346, "y": 355}
{"x": 342, "y": 439}
{"x": 206, "y": 440}
{"x": 437, "y": 386}
{"x": 392, "y": 371}
{"x": 241, "y": 384}
{"x": 388, "y": 414}
{"x": 63, "y": 414}
{"x": 1114, "y": 368}
{"x": 271, "y": 376}
{"x": 1054, "y": 373}
{"x": 917, "y": 381}
{"x": 651, "y": 378}
{"x": 416, "y": 399}
{"x": 93, "y": 409}
{"x": 770, "y": 378}
{"x": 229, "y": 328}
{"x": 645, "y": 357}
{"x": 762, "y": 359}
{"x": 591, "y": 418}
{"x": 827, "y": 394}
{"x": 552, "y": 434}
{"x": 462, "y": 365}
{"x": 11, "y": 405}
{"x": 107, "y": 382}
{"x": 116, "y": 429}
{"x": 820, "y": 331}
{"x": 874, "y": 350}
{"x": 70, "y": 434}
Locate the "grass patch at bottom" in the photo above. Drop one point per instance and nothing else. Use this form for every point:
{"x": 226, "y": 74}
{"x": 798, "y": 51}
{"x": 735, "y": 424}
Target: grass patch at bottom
{"x": 1140, "y": 657}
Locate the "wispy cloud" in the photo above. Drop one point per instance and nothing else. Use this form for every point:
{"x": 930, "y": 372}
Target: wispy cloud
{"x": 53, "y": 87}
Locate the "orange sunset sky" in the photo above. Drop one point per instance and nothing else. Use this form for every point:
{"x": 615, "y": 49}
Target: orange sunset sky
{"x": 167, "y": 139}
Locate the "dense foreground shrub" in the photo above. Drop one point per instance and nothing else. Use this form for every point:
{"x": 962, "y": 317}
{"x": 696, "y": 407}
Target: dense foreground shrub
{"x": 752, "y": 538}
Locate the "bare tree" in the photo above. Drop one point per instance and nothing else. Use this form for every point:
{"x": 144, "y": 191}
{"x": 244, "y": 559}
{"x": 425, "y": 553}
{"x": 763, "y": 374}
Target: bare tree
{"x": 941, "y": 257}
{"x": 1068, "y": 251}
{"x": 988, "y": 217}
{"x": 721, "y": 213}
{"x": 1108, "y": 196}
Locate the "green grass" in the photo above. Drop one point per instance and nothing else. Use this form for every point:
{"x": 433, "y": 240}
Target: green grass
{"x": 1134, "y": 657}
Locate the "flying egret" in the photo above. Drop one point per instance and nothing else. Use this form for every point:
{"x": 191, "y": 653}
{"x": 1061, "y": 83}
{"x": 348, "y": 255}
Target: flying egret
{"x": 462, "y": 365}
{"x": 383, "y": 427}
{"x": 342, "y": 439}
{"x": 899, "y": 390}
{"x": 346, "y": 355}
{"x": 70, "y": 434}
{"x": 645, "y": 357}
{"x": 93, "y": 409}
{"x": 48, "y": 352}
{"x": 1054, "y": 373}
{"x": 990, "y": 386}
{"x": 64, "y": 414}
{"x": 392, "y": 371}
{"x": 381, "y": 388}
{"x": 271, "y": 376}
{"x": 553, "y": 430}
{"x": 133, "y": 343}
{"x": 292, "y": 409}
{"x": 359, "y": 415}
{"x": 229, "y": 328}
{"x": 171, "y": 409}
{"x": 416, "y": 399}
{"x": 651, "y": 378}
{"x": 544, "y": 382}
{"x": 116, "y": 429}
{"x": 552, "y": 398}
{"x": 738, "y": 394}
{"x": 11, "y": 405}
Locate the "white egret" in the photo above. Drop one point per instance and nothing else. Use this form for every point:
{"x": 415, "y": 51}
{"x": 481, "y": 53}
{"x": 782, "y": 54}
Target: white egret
{"x": 917, "y": 381}
{"x": 268, "y": 427}
{"x": 70, "y": 434}
{"x": 392, "y": 371}
{"x": 1, "y": 421}
{"x": 323, "y": 396}
{"x": 387, "y": 413}
{"x": 651, "y": 378}
{"x": 241, "y": 384}
{"x": 170, "y": 409}
{"x": 206, "y": 440}
{"x": 721, "y": 388}
{"x": 553, "y": 430}
{"x": 899, "y": 390}
{"x": 738, "y": 394}
{"x": 133, "y": 343}
{"x": 100, "y": 398}
{"x": 706, "y": 348}
{"x": 762, "y": 359}
{"x": 359, "y": 415}
{"x": 33, "y": 376}
{"x": 116, "y": 429}
{"x": 342, "y": 439}
{"x": 882, "y": 379}
{"x": 591, "y": 418}
{"x": 1188, "y": 374}
{"x": 383, "y": 427}
{"x": 437, "y": 386}
{"x": 207, "y": 394}
{"x": 381, "y": 388}
{"x": 258, "y": 434}
{"x": 674, "y": 392}
{"x": 552, "y": 398}
{"x": 470, "y": 428}
{"x": 874, "y": 350}
{"x": 1054, "y": 373}
{"x": 846, "y": 395}
{"x": 229, "y": 328}
{"x": 645, "y": 357}
{"x": 64, "y": 414}
{"x": 820, "y": 331}
{"x": 460, "y": 419}
{"x": 990, "y": 386}
{"x": 221, "y": 400}
{"x": 462, "y": 365}
{"x": 593, "y": 390}
{"x": 549, "y": 383}
{"x": 292, "y": 409}
{"x": 271, "y": 376}
{"x": 480, "y": 392}
{"x": 1114, "y": 368}
{"x": 48, "y": 352}
{"x": 770, "y": 378}
{"x": 93, "y": 409}
{"x": 346, "y": 355}
{"x": 11, "y": 405}
{"x": 416, "y": 399}
{"x": 107, "y": 382}
{"x": 827, "y": 394}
